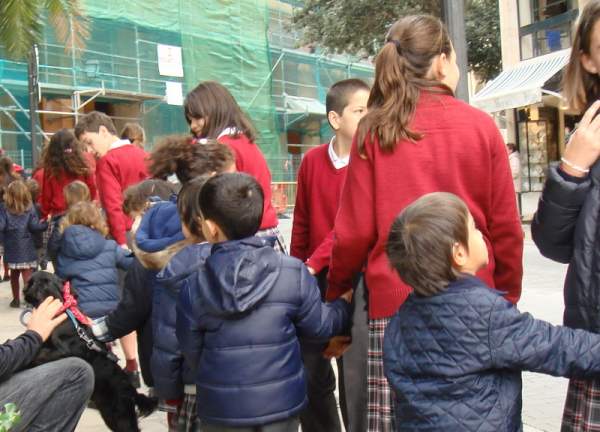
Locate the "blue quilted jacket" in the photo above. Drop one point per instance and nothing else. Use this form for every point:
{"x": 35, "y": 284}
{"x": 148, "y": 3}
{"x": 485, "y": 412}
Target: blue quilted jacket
{"x": 19, "y": 232}
{"x": 455, "y": 359}
{"x": 90, "y": 262}
{"x": 238, "y": 322}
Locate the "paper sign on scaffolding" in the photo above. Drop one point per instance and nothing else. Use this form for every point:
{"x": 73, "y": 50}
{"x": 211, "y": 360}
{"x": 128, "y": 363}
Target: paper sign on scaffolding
{"x": 169, "y": 60}
{"x": 174, "y": 93}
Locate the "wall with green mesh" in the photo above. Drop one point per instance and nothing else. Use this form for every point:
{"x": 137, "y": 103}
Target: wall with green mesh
{"x": 247, "y": 45}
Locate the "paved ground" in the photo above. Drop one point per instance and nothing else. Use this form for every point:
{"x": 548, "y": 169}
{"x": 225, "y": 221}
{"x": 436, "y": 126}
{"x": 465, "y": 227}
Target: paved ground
{"x": 543, "y": 396}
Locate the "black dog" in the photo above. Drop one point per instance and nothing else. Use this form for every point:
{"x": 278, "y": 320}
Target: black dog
{"x": 114, "y": 395}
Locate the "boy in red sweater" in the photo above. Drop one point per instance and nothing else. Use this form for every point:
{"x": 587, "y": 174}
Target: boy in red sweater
{"x": 120, "y": 164}
{"x": 320, "y": 180}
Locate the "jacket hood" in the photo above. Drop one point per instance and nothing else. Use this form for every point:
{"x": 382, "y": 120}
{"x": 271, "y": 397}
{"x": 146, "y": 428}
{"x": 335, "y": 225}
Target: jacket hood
{"x": 159, "y": 236}
{"x": 185, "y": 262}
{"x": 80, "y": 241}
{"x": 239, "y": 275}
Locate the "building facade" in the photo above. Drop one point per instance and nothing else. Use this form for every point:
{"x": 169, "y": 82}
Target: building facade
{"x": 143, "y": 56}
{"x": 536, "y": 37}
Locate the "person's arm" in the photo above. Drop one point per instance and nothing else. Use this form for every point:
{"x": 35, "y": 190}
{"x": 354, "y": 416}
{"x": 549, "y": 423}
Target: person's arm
{"x": 315, "y": 319}
{"x": 506, "y": 233}
{"x": 300, "y": 228}
{"x": 34, "y": 224}
{"x": 520, "y": 342}
{"x": 111, "y": 198}
{"x": 124, "y": 258}
{"x": 133, "y": 310}
{"x": 189, "y": 334}
{"x": 45, "y": 197}
{"x": 90, "y": 181}
{"x": 18, "y": 353}
{"x": 355, "y": 229}
{"x": 322, "y": 255}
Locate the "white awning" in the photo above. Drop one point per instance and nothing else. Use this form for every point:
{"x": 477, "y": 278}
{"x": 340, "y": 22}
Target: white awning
{"x": 522, "y": 84}
{"x": 303, "y": 105}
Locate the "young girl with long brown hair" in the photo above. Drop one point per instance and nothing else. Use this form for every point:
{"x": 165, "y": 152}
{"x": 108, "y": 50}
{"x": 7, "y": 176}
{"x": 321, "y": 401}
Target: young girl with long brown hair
{"x": 418, "y": 138}
{"x": 19, "y": 223}
{"x": 565, "y": 227}
{"x": 213, "y": 113}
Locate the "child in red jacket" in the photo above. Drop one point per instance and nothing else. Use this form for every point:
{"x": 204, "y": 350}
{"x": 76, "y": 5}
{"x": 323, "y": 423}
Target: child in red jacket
{"x": 320, "y": 180}
{"x": 120, "y": 165}
{"x": 212, "y": 112}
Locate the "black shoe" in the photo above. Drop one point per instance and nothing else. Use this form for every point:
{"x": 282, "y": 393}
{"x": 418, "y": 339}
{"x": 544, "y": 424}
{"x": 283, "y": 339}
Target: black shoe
{"x": 15, "y": 304}
{"x": 134, "y": 378}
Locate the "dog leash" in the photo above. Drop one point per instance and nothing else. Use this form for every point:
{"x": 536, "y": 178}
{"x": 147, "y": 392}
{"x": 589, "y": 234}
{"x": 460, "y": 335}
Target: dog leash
{"x": 89, "y": 341}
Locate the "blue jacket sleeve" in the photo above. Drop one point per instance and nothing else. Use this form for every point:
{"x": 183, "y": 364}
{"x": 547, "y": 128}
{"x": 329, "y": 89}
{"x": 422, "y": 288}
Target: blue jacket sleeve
{"x": 124, "y": 258}
{"x": 34, "y": 224}
{"x": 189, "y": 334}
{"x": 315, "y": 319}
{"x": 553, "y": 225}
{"x": 519, "y": 341}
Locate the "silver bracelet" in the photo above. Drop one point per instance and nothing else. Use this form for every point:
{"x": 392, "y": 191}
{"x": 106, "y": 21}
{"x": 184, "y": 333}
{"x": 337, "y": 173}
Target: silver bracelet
{"x": 575, "y": 167}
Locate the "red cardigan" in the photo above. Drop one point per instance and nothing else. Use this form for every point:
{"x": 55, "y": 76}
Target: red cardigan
{"x": 462, "y": 152}
{"x": 120, "y": 168}
{"x": 52, "y": 199}
{"x": 249, "y": 159}
{"x": 317, "y": 199}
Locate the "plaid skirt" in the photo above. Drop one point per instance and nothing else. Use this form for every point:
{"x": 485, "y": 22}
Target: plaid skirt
{"x": 279, "y": 242}
{"x": 380, "y": 408}
{"x": 183, "y": 417}
{"x": 582, "y": 407}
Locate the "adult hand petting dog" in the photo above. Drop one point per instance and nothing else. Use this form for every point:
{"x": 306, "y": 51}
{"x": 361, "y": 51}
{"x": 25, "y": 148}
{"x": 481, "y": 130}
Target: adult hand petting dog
{"x": 43, "y": 320}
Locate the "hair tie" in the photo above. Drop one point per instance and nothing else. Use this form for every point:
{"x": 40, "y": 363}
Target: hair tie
{"x": 68, "y": 150}
{"x": 397, "y": 44}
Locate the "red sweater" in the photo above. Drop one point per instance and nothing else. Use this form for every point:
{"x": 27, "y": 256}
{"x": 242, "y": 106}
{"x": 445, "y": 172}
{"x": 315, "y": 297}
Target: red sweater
{"x": 52, "y": 199}
{"x": 462, "y": 152}
{"x": 120, "y": 168}
{"x": 317, "y": 200}
{"x": 249, "y": 159}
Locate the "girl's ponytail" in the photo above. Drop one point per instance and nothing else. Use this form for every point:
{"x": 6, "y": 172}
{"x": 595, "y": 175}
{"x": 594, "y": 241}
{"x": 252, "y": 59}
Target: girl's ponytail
{"x": 401, "y": 72}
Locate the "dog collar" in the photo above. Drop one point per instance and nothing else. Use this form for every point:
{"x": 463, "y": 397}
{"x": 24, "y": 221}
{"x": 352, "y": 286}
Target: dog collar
{"x": 70, "y": 304}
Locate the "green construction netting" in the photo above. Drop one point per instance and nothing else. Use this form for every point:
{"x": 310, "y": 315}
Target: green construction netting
{"x": 247, "y": 45}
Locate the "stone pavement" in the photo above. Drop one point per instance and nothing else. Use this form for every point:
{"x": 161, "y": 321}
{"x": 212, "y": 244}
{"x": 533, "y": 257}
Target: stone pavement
{"x": 543, "y": 396}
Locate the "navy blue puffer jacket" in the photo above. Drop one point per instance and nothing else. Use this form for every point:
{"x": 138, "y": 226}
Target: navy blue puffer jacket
{"x": 18, "y": 235}
{"x": 238, "y": 322}
{"x": 455, "y": 359}
{"x": 90, "y": 262}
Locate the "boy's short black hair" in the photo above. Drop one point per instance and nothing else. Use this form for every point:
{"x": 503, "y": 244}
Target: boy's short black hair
{"x": 234, "y": 201}
{"x": 340, "y": 93}
{"x": 421, "y": 241}
{"x": 188, "y": 204}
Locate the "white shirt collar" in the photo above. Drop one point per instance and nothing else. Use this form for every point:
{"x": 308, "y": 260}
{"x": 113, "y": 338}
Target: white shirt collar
{"x": 227, "y": 131}
{"x": 338, "y": 162}
{"x": 119, "y": 143}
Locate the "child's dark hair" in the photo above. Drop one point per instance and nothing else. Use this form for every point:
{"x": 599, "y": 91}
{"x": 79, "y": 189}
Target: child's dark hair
{"x": 213, "y": 102}
{"x": 401, "y": 73}
{"x": 422, "y": 238}
{"x": 188, "y": 205}
{"x": 34, "y": 188}
{"x": 76, "y": 192}
{"x": 581, "y": 88}
{"x": 234, "y": 201}
{"x": 92, "y": 121}
{"x": 177, "y": 155}
{"x": 340, "y": 93}
{"x": 17, "y": 197}
{"x": 136, "y": 197}
{"x": 64, "y": 152}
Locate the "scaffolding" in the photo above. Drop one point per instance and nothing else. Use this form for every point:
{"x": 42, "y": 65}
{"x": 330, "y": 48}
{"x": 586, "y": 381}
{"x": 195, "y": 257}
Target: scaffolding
{"x": 247, "y": 45}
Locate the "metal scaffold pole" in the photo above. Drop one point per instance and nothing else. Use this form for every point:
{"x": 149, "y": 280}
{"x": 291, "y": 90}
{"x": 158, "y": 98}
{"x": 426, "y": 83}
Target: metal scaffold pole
{"x": 33, "y": 84}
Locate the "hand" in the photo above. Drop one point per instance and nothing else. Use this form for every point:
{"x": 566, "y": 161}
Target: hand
{"x": 347, "y": 296}
{"x": 337, "y": 347}
{"x": 42, "y": 320}
{"x": 311, "y": 270}
{"x": 125, "y": 247}
{"x": 583, "y": 148}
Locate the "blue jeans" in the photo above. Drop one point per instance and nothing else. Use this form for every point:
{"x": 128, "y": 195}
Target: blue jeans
{"x": 50, "y": 397}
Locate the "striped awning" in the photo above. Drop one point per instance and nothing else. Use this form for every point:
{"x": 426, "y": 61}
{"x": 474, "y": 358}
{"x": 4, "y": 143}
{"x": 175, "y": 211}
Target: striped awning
{"x": 522, "y": 84}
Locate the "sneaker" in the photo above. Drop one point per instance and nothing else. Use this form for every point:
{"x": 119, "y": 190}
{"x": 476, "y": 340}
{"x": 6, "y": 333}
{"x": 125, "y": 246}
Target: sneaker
{"x": 15, "y": 304}
{"x": 134, "y": 378}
